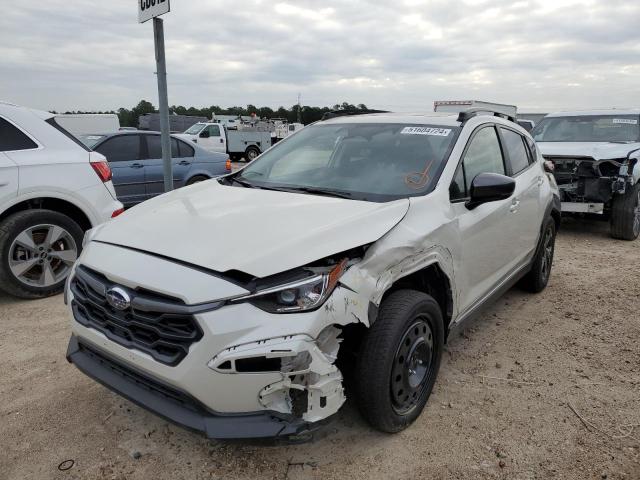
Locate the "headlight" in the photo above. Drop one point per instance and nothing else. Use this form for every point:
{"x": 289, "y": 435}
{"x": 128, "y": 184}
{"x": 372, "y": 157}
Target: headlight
{"x": 299, "y": 296}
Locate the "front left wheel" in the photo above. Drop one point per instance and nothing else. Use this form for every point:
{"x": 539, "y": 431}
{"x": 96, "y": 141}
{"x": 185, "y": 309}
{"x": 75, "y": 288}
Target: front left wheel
{"x": 399, "y": 360}
{"x": 37, "y": 250}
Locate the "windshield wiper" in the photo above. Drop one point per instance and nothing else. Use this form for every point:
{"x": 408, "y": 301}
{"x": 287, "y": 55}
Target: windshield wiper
{"x": 244, "y": 183}
{"x": 315, "y": 191}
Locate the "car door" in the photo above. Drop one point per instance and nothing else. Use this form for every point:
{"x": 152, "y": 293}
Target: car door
{"x": 154, "y": 166}
{"x": 488, "y": 251}
{"x": 124, "y": 154}
{"x": 212, "y": 138}
{"x": 525, "y": 209}
{"x": 8, "y": 179}
{"x": 11, "y": 140}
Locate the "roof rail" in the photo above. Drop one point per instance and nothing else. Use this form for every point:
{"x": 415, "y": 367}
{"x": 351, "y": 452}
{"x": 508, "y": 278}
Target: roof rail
{"x": 344, "y": 113}
{"x": 473, "y": 112}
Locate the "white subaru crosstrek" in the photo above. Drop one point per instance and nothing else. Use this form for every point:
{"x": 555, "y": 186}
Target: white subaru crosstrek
{"x": 52, "y": 189}
{"x": 354, "y": 247}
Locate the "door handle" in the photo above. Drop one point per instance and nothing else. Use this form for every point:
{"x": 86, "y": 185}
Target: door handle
{"x": 136, "y": 165}
{"x": 515, "y": 203}
{"x": 222, "y": 140}
{"x": 184, "y": 162}
{"x": 540, "y": 181}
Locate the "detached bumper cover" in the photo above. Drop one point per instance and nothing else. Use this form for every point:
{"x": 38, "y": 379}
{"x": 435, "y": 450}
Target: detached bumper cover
{"x": 176, "y": 406}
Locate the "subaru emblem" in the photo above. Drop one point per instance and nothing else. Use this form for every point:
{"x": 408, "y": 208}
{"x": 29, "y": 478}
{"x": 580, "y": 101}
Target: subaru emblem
{"x": 118, "y": 298}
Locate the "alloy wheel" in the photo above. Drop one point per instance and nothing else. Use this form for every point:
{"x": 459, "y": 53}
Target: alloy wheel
{"x": 42, "y": 255}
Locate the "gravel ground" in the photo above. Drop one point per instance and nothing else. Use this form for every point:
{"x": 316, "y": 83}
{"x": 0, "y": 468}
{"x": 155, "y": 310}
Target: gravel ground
{"x": 506, "y": 404}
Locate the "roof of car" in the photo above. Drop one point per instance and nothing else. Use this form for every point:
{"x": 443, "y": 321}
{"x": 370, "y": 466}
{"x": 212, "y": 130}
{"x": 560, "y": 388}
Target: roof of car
{"x": 583, "y": 113}
{"x": 124, "y": 132}
{"x": 431, "y": 118}
{"x": 39, "y": 113}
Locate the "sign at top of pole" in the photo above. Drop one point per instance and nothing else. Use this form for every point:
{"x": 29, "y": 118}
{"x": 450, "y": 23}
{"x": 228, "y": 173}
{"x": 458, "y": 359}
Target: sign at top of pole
{"x": 148, "y": 9}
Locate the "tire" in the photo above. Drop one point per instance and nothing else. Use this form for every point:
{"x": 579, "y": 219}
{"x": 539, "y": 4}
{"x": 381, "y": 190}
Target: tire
{"x": 196, "y": 179}
{"x": 32, "y": 264}
{"x": 389, "y": 396}
{"x": 250, "y": 154}
{"x": 625, "y": 214}
{"x": 538, "y": 277}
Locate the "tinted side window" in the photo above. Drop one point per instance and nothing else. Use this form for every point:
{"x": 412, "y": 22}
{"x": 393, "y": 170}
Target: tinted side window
{"x": 175, "y": 151}
{"x": 121, "y": 149}
{"x": 214, "y": 131}
{"x": 185, "y": 149}
{"x": 516, "y": 150}
{"x": 154, "y": 146}
{"x": 13, "y": 139}
{"x": 483, "y": 155}
{"x": 533, "y": 152}
{"x": 458, "y": 189}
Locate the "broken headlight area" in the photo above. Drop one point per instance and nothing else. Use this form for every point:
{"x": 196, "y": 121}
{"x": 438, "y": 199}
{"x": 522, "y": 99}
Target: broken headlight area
{"x": 310, "y": 386}
{"x": 300, "y": 295}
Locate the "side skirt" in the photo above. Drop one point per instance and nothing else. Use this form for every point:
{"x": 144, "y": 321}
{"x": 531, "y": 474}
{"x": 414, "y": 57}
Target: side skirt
{"x": 497, "y": 292}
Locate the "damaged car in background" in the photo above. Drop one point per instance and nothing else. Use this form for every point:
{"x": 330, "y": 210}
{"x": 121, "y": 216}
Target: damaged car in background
{"x": 594, "y": 156}
{"x": 337, "y": 263}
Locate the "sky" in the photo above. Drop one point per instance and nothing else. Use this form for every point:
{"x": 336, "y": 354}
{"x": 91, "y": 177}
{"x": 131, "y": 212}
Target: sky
{"x": 401, "y": 55}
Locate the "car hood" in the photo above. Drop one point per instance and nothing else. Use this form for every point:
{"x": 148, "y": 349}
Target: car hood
{"x": 259, "y": 232}
{"x": 596, "y": 150}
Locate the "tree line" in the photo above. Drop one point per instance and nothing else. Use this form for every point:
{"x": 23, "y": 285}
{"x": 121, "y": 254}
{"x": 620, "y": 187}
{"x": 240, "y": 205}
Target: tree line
{"x": 307, "y": 114}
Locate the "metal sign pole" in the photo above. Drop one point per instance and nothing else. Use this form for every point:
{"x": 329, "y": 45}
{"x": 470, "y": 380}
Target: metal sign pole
{"x": 161, "y": 67}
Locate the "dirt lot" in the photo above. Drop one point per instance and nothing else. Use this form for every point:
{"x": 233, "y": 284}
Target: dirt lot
{"x": 506, "y": 404}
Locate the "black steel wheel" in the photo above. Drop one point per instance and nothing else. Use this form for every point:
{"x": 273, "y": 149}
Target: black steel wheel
{"x": 399, "y": 360}
{"x": 538, "y": 277}
{"x": 412, "y": 366}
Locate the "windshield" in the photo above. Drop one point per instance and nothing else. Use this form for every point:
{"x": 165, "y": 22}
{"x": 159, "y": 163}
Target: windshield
{"x": 90, "y": 140}
{"x": 588, "y": 128}
{"x": 370, "y": 161}
{"x": 195, "y": 129}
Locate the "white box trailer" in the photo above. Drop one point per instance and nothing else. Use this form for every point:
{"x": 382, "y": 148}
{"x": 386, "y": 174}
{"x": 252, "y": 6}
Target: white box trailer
{"x": 456, "y": 106}
{"x": 89, "y": 123}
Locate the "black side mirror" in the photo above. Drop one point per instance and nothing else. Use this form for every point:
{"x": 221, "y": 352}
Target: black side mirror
{"x": 204, "y": 134}
{"x": 490, "y": 187}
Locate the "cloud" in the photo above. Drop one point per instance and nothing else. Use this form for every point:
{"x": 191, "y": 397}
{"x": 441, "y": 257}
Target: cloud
{"x": 402, "y": 55}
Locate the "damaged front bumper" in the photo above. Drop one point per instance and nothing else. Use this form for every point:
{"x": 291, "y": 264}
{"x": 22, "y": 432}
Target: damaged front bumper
{"x": 179, "y": 407}
{"x": 267, "y": 374}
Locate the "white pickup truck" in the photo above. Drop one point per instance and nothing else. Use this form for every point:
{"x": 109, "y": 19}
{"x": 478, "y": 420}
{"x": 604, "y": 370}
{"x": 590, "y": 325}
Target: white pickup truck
{"x": 247, "y": 143}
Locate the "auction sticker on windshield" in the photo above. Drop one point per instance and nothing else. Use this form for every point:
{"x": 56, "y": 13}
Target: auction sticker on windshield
{"x": 440, "y": 132}
{"x": 629, "y": 121}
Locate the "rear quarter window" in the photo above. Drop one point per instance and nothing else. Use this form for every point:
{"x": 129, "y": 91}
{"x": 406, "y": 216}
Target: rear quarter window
{"x": 12, "y": 138}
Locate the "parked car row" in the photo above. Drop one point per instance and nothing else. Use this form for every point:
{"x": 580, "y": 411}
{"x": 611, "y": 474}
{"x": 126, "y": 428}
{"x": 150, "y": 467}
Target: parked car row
{"x": 135, "y": 159}
{"x": 357, "y": 245}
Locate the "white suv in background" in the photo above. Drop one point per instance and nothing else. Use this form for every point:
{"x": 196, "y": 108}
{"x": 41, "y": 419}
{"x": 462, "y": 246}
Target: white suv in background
{"x": 52, "y": 189}
{"x": 355, "y": 247}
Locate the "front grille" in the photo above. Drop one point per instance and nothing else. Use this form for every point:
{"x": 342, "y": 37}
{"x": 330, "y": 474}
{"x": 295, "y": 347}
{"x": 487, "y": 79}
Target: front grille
{"x": 153, "y": 386}
{"x": 161, "y": 326}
